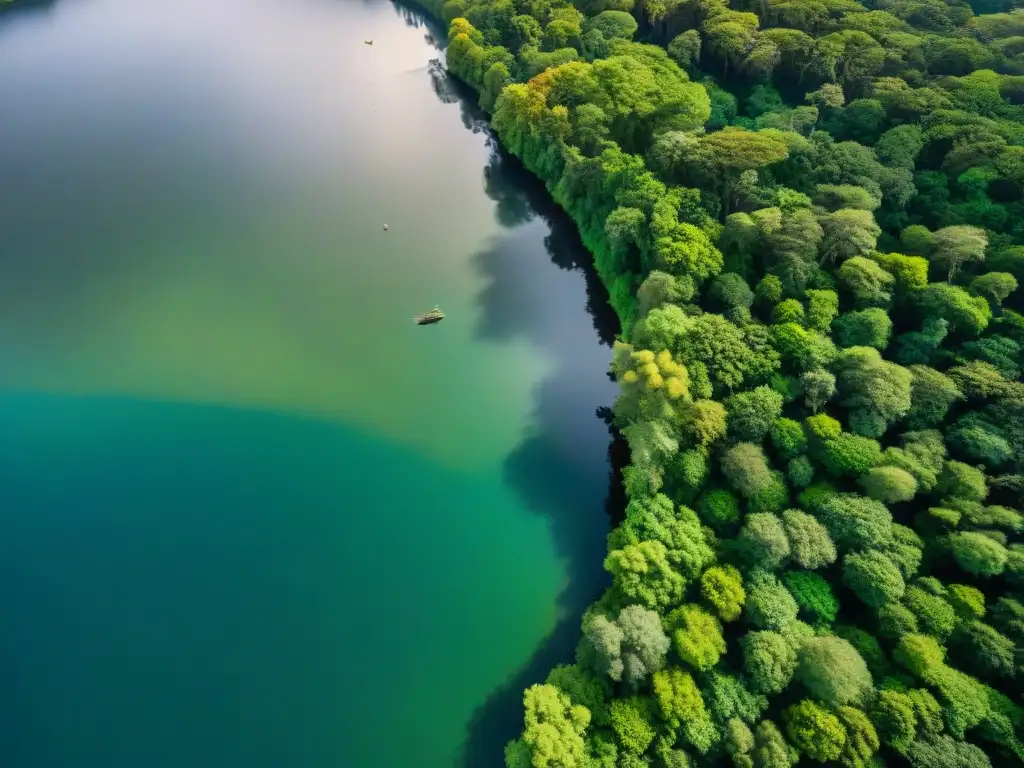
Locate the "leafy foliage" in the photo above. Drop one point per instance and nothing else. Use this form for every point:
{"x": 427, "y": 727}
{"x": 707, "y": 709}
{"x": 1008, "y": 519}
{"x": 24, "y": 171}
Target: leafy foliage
{"x": 808, "y": 218}
{"x": 769, "y": 604}
{"x": 833, "y": 671}
{"x": 770, "y": 660}
{"x": 722, "y": 587}
{"x": 814, "y": 596}
{"x": 815, "y": 731}
{"x": 696, "y": 636}
{"x": 553, "y": 731}
{"x": 810, "y": 545}
{"x": 873, "y": 577}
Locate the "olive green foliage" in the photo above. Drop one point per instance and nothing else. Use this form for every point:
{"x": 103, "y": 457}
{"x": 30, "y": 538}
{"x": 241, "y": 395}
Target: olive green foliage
{"x": 642, "y": 572}
{"x": 773, "y": 498}
{"x": 703, "y": 422}
{"x": 865, "y": 328}
{"x": 746, "y": 468}
{"x": 676, "y": 528}
{"x": 800, "y": 472}
{"x": 808, "y": 219}
{"x": 906, "y": 550}
{"x": 876, "y": 391}
{"x": 866, "y": 282}
{"x": 873, "y": 577}
{"x": 722, "y": 587}
{"x": 822, "y": 308}
{"x": 932, "y": 393}
{"x": 849, "y": 455}
{"x": 868, "y": 646}
{"x": 895, "y": 719}
{"x": 769, "y": 659}
{"x": 961, "y": 481}
{"x": 968, "y": 602}
{"x": 632, "y": 722}
{"x": 984, "y": 650}
{"x": 856, "y": 522}
{"x": 819, "y": 386}
{"x": 833, "y": 671}
{"x": 809, "y": 541}
{"x": 815, "y": 731}
{"x": 678, "y": 698}
{"x": 696, "y": 636}
{"x": 934, "y": 614}
{"x": 628, "y": 649}
{"x": 752, "y": 414}
{"x": 739, "y": 740}
{"x": 820, "y": 428}
{"x": 553, "y": 731}
{"x": 978, "y": 554}
{"x": 861, "y": 738}
{"x": 769, "y": 604}
{"x": 763, "y": 541}
{"x": 770, "y": 748}
{"x": 889, "y": 485}
{"x": 728, "y": 697}
{"x": 945, "y": 751}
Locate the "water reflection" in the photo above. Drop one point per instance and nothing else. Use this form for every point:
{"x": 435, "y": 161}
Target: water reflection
{"x": 561, "y": 469}
{"x": 20, "y": 8}
{"x": 441, "y": 83}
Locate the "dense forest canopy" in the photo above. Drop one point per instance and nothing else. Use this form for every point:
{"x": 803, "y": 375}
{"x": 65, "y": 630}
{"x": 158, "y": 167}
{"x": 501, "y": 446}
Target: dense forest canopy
{"x": 810, "y": 217}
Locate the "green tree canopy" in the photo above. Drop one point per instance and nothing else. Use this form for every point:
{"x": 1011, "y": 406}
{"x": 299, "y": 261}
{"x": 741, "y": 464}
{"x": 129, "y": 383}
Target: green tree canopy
{"x": 628, "y": 649}
{"x": 769, "y": 604}
{"x": 833, "y": 672}
{"x": 978, "y": 554}
{"x": 873, "y": 577}
{"x": 722, "y": 587}
{"x": 763, "y": 541}
{"x": 553, "y": 733}
{"x": 770, "y": 661}
{"x": 889, "y": 485}
{"x": 696, "y": 636}
{"x": 746, "y": 468}
{"x": 810, "y": 545}
{"x": 815, "y": 731}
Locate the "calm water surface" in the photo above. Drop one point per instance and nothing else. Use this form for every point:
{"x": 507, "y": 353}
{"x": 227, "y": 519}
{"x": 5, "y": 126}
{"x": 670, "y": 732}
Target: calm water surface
{"x": 250, "y": 514}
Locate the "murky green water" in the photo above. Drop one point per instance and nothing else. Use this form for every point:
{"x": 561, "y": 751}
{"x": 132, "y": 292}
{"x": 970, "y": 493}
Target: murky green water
{"x": 250, "y": 514}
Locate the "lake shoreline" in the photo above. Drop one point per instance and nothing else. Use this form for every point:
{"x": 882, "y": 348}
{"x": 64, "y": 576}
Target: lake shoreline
{"x": 502, "y": 711}
{"x": 437, "y": 22}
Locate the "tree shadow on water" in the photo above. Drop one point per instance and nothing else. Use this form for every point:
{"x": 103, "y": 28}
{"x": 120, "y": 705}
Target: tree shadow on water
{"x": 520, "y": 198}
{"x": 540, "y": 287}
{"x": 558, "y": 486}
{"x": 564, "y": 469}
{"x": 416, "y": 16}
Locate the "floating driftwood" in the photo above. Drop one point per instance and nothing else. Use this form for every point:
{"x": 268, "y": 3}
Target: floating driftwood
{"x": 429, "y": 318}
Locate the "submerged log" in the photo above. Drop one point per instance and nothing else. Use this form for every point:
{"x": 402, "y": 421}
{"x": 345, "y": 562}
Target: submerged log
{"x": 429, "y": 318}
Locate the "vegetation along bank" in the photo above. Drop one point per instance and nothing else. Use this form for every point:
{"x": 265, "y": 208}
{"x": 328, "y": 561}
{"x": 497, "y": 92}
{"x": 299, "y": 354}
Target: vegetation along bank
{"x": 810, "y": 216}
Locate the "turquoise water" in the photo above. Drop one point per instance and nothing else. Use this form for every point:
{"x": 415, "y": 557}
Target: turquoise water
{"x": 250, "y": 514}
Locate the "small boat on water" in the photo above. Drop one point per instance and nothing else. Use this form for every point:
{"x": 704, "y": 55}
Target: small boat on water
{"x": 429, "y": 318}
